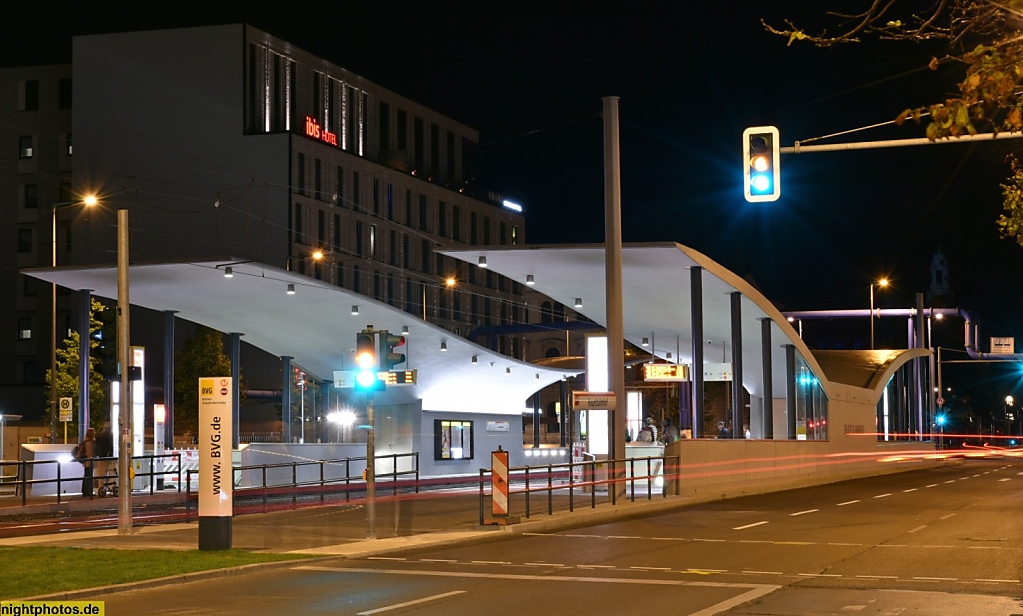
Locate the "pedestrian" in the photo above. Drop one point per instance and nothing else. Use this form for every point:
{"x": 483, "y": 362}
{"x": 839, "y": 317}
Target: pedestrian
{"x": 745, "y": 432}
{"x": 670, "y": 433}
{"x": 723, "y": 431}
{"x": 101, "y": 473}
{"x": 86, "y": 453}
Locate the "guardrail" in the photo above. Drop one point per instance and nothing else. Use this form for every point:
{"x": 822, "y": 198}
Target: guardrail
{"x": 571, "y": 476}
{"x": 25, "y": 469}
{"x": 319, "y": 486}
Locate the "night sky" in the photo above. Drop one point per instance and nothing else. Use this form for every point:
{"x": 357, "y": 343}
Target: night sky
{"x": 530, "y": 77}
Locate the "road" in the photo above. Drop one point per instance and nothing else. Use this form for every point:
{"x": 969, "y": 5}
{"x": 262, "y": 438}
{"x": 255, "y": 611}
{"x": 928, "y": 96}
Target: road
{"x": 944, "y": 540}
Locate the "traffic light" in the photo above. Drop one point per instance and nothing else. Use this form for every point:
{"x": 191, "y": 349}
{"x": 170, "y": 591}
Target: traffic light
{"x": 389, "y": 350}
{"x": 366, "y": 361}
{"x": 103, "y": 346}
{"x": 761, "y": 162}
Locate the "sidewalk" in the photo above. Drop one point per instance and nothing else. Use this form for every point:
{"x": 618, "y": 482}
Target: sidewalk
{"x": 428, "y": 519}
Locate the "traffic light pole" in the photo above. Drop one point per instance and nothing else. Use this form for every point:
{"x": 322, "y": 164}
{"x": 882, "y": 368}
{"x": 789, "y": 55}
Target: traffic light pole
{"x": 799, "y": 148}
{"x": 124, "y": 482}
{"x": 371, "y": 480}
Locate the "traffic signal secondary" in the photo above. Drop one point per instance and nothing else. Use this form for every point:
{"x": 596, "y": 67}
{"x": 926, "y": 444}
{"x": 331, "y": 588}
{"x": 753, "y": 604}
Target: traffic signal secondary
{"x": 366, "y": 361}
{"x": 761, "y": 158}
{"x": 390, "y": 350}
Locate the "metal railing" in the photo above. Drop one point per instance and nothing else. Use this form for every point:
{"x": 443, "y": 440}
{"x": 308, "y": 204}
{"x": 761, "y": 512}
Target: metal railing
{"x": 22, "y": 484}
{"x": 321, "y": 485}
{"x": 571, "y": 476}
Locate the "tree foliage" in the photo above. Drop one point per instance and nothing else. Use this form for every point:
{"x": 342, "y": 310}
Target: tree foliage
{"x": 983, "y": 36}
{"x": 201, "y": 355}
{"x": 66, "y": 382}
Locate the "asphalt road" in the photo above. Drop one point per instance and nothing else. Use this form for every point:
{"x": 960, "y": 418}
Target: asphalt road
{"x": 946, "y": 540}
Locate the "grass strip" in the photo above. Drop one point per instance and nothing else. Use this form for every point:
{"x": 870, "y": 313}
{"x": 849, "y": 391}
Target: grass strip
{"x": 31, "y": 571}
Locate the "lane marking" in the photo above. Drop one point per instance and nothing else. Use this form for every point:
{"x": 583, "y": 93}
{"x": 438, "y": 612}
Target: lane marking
{"x": 945, "y": 517}
{"x": 408, "y": 603}
{"x": 489, "y": 562}
{"x": 845, "y": 544}
{"x": 750, "y": 525}
{"x": 1006, "y": 479}
{"x": 595, "y": 566}
{"x": 651, "y": 568}
{"x": 909, "y": 490}
{"x": 878, "y": 577}
{"x": 804, "y": 512}
{"x": 918, "y": 528}
{"x": 883, "y": 495}
{"x": 385, "y": 558}
{"x": 711, "y": 540}
{"x": 847, "y": 503}
{"x": 951, "y": 481}
{"x": 438, "y": 560}
{"x": 624, "y": 537}
{"x": 996, "y": 581}
{"x": 543, "y": 565}
{"x": 936, "y": 579}
{"x": 933, "y": 485}
{"x": 829, "y": 575}
{"x": 763, "y": 572}
{"x": 977, "y": 475}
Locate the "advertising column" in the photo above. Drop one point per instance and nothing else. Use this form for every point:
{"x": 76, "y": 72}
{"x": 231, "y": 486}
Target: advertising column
{"x": 215, "y": 474}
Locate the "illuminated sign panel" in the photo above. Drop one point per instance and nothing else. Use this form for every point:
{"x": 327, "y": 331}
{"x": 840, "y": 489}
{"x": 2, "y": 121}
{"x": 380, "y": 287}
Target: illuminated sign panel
{"x": 314, "y": 130}
{"x": 665, "y": 372}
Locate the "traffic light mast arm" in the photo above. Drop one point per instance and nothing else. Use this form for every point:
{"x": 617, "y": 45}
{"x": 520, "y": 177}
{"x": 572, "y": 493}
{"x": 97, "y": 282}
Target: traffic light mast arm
{"x": 892, "y": 143}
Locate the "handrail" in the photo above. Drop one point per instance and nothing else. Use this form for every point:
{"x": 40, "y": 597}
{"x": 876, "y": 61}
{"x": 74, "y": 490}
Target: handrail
{"x": 321, "y": 481}
{"x": 22, "y": 483}
{"x": 562, "y": 476}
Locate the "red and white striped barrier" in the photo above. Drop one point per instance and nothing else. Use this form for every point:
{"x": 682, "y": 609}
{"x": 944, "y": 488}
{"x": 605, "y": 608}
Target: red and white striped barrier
{"x": 499, "y": 482}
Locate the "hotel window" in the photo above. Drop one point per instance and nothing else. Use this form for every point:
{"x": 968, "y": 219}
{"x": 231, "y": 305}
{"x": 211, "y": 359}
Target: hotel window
{"x": 402, "y": 129}
{"x": 515, "y": 234}
{"x": 408, "y": 208}
{"x": 25, "y": 147}
{"x": 376, "y": 196}
{"x": 356, "y": 279}
{"x": 385, "y": 126}
{"x": 24, "y": 240}
{"x": 318, "y": 179}
{"x": 377, "y": 289}
{"x": 424, "y": 218}
{"x": 417, "y": 142}
{"x": 425, "y": 257}
{"x": 473, "y": 234}
{"x": 405, "y": 251}
{"x": 456, "y": 223}
{"x": 355, "y": 189}
{"x": 434, "y": 151}
{"x": 449, "y": 171}
{"x": 339, "y": 193}
{"x": 486, "y": 230}
{"x": 373, "y": 241}
{"x": 300, "y": 180}
{"x": 442, "y": 215}
{"x": 391, "y": 295}
{"x": 358, "y": 238}
{"x": 321, "y": 227}
{"x": 393, "y": 255}
{"x": 30, "y": 196}
{"x": 29, "y": 91}
{"x": 298, "y": 224}
{"x": 24, "y": 328}
{"x": 390, "y": 201}
{"x": 337, "y": 232}
{"x": 64, "y": 93}
{"x": 503, "y": 232}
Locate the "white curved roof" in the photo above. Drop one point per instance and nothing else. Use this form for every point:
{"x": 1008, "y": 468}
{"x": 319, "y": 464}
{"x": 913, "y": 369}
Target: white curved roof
{"x": 316, "y": 327}
{"x": 656, "y": 300}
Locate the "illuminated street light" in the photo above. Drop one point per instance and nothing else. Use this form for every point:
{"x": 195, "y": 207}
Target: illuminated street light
{"x": 88, "y": 201}
{"x": 880, "y": 283}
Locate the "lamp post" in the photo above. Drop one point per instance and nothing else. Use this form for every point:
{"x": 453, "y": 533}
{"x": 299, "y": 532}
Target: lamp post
{"x": 88, "y": 201}
{"x": 124, "y": 481}
{"x": 880, "y": 283}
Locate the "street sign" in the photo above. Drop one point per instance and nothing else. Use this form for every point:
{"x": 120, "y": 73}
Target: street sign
{"x": 593, "y": 400}
{"x": 940, "y": 401}
{"x": 1003, "y": 346}
{"x": 665, "y": 372}
{"x": 717, "y": 372}
{"x": 66, "y": 408}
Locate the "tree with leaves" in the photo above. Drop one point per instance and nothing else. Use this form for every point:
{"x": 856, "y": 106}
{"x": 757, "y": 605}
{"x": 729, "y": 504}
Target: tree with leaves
{"x": 983, "y": 36}
{"x": 64, "y": 383}
{"x": 202, "y": 355}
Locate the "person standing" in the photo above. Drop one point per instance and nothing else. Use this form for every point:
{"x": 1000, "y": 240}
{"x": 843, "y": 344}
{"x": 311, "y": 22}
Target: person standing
{"x": 104, "y": 451}
{"x": 86, "y": 453}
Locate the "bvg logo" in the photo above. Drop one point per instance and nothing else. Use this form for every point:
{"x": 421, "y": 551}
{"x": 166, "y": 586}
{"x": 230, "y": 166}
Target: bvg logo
{"x": 207, "y": 391}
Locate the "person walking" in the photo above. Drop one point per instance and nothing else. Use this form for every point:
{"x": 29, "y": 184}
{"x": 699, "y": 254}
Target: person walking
{"x": 86, "y": 453}
{"x": 104, "y": 451}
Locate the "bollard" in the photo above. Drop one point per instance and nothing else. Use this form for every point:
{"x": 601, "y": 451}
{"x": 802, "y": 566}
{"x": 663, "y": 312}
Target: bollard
{"x": 499, "y": 489}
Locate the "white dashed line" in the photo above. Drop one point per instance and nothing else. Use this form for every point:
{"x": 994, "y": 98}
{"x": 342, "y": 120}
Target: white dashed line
{"x": 804, "y": 512}
{"x": 945, "y": 517}
{"x": 595, "y": 566}
{"x": 846, "y": 503}
{"x": 997, "y": 581}
{"x": 883, "y": 495}
{"x": 909, "y": 490}
{"x": 918, "y": 528}
{"x": 711, "y": 540}
{"x": 384, "y": 558}
{"x": 489, "y": 562}
{"x": 651, "y": 568}
{"x": 878, "y": 577}
{"x": 438, "y": 560}
{"x": 762, "y": 522}
{"x": 829, "y": 575}
{"x": 951, "y": 481}
{"x": 543, "y": 564}
{"x": 1006, "y": 479}
{"x": 933, "y": 485}
{"x": 936, "y": 579}
{"x": 764, "y": 572}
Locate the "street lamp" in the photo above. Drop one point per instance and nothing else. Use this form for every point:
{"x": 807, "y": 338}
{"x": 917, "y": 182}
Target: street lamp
{"x": 880, "y": 283}
{"x": 88, "y": 201}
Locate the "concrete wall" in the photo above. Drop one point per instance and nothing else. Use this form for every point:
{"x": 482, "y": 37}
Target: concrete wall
{"x": 724, "y": 468}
